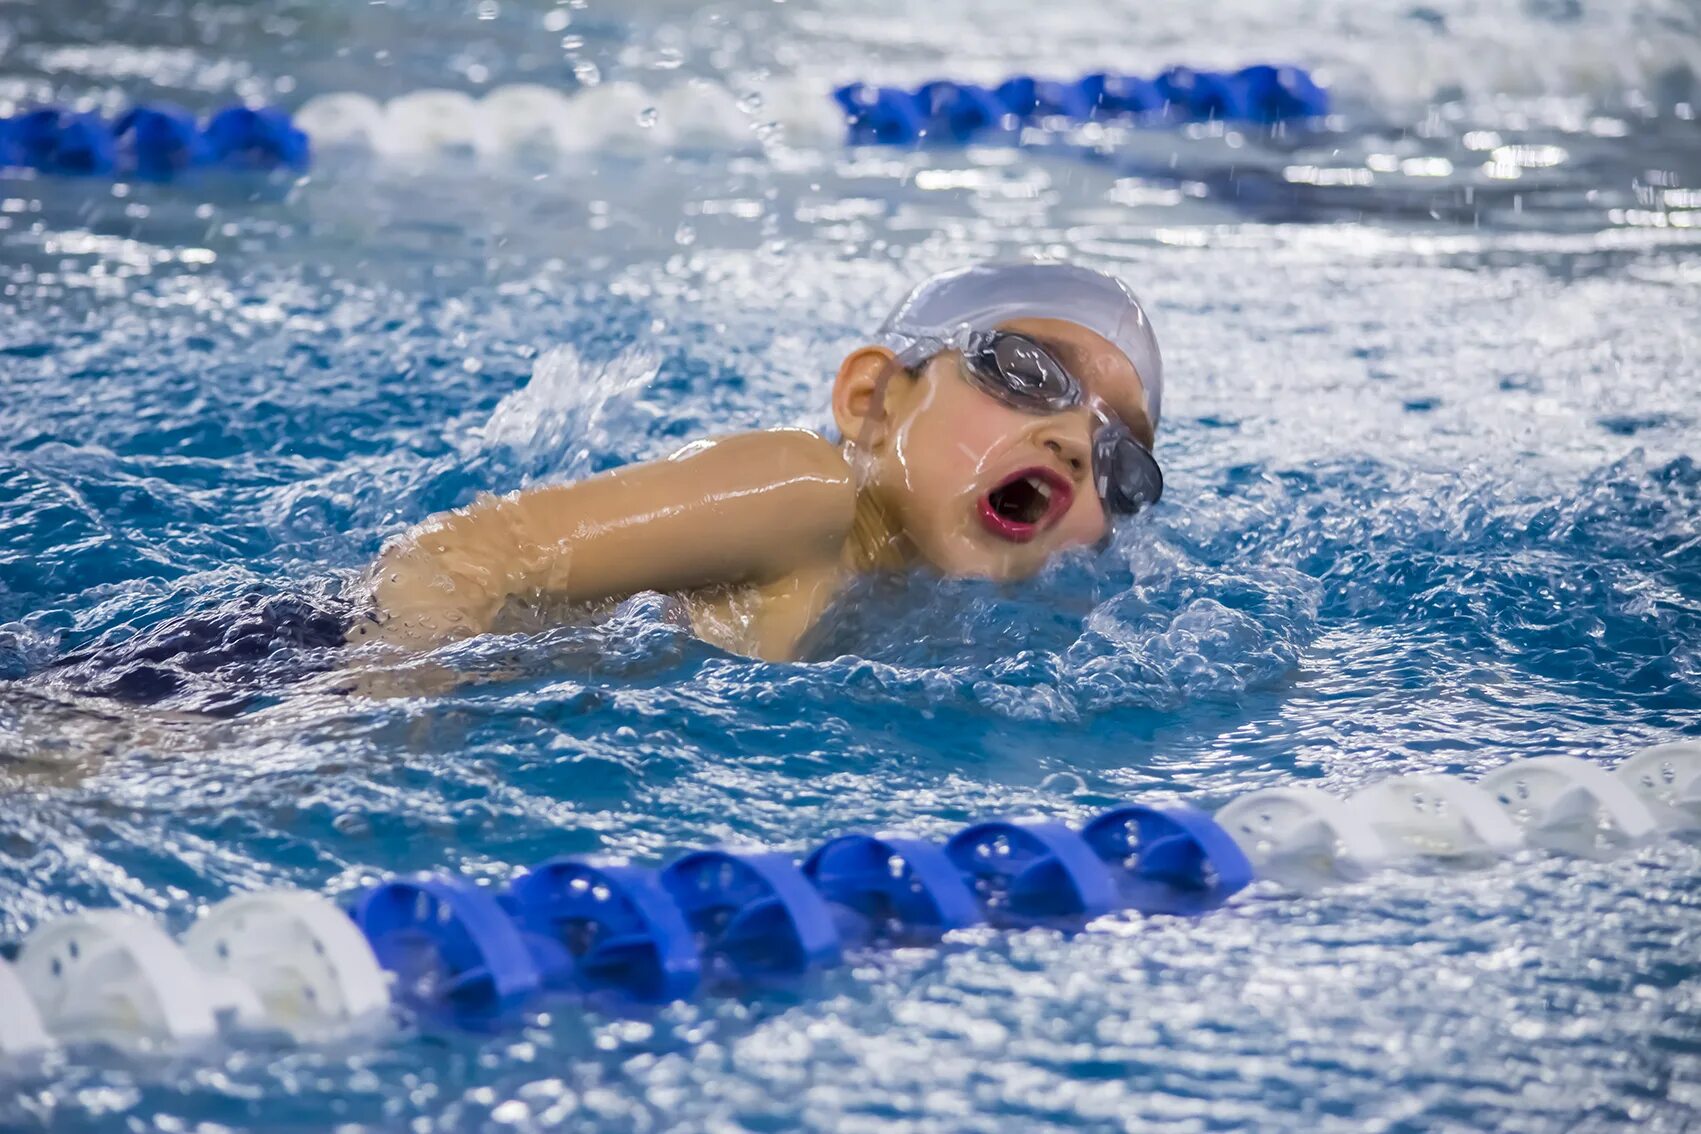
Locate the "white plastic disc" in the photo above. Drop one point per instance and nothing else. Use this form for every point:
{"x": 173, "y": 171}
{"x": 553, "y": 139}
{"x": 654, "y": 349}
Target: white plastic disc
{"x": 705, "y": 114}
{"x": 1437, "y": 815}
{"x": 618, "y": 115}
{"x": 429, "y": 122}
{"x": 1553, "y": 793}
{"x": 114, "y": 976}
{"x": 1303, "y": 826}
{"x": 20, "y": 1024}
{"x": 308, "y": 966}
{"x": 1668, "y": 779}
{"x": 342, "y": 120}
{"x": 523, "y": 117}
{"x": 804, "y": 111}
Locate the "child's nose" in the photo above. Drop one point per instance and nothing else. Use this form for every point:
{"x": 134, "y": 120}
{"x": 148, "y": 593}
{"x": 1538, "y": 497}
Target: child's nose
{"x": 1072, "y": 449}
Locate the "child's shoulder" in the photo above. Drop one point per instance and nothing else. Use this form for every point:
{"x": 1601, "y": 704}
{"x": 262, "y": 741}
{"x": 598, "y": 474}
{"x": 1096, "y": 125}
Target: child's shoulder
{"x": 780, "y": 452}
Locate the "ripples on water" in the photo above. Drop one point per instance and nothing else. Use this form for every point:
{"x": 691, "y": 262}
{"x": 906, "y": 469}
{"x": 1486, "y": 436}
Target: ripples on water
{"x": 1433, "y": 505}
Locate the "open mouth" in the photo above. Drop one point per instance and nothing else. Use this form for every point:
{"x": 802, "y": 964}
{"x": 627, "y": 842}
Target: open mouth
{"x": 1025, "y": 504}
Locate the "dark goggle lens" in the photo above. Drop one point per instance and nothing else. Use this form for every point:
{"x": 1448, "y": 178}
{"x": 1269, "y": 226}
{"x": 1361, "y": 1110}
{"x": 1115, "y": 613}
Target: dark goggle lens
{"x": 1020, "y": 372}
{"x": 1124, "y": 471}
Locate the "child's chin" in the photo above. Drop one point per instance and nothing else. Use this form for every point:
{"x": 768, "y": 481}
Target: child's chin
{"x": 996, "y": 564}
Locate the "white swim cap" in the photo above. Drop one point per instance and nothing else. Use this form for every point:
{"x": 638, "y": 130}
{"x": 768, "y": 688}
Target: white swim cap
{"x": 986, "y": 295}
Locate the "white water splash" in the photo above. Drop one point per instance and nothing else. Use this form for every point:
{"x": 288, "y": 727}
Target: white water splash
{"x": 552, "y": 422}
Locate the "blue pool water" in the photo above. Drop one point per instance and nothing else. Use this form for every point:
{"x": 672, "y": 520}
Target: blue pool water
{"x": 1434, "y": 504}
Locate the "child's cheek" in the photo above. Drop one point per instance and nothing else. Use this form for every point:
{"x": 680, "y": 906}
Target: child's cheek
{"x": 1086, "y": 523}
{"x": 974, "y": 432}
{"x": 949, "y": 442}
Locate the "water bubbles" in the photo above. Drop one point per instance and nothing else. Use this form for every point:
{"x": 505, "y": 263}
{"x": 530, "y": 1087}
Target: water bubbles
{"x": 586, "y": 72}
{"x": 557, "y": 19}
{"x": 647, "y": 117}
{"x": 1064, "y": 783}
{"x": 352, "y": 824}
{"x": 489, "y": 9}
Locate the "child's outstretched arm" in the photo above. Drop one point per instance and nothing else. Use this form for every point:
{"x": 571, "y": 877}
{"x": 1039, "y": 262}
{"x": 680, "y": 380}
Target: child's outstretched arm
{"x": 744, "y": 509}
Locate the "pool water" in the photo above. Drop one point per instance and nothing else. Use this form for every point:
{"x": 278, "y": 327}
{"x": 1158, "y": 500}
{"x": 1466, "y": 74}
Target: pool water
{"x": 1434, "y": 503}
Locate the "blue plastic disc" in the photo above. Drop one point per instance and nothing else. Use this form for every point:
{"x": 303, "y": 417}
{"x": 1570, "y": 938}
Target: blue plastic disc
{"x": 756, "y": 915}
{"x": 1115, "y": 95}
{"x": 57, "y": 141}
{"x": 451, "y": 945}
{"x": 1277, "y": 94}
{"x": 160, "y": 141}
{"x": 242, "y": 138}
{"x": 621, "y": 927}
{"x": 957, "y": 112}
{"x": 1032, "y": 873}
{"x": 882, "y": 115}
{"x": 1168, "y": 860}
{"x": 1028, "y": 97}
{"x": 899, "y": 888}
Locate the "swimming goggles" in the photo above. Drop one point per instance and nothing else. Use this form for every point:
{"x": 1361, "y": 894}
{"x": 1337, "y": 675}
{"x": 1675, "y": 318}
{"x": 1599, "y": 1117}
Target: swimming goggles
{"x": 1024, "y": 376}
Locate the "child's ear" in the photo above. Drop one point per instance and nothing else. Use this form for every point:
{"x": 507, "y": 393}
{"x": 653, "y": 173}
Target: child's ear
{"x": 859, "y": 393}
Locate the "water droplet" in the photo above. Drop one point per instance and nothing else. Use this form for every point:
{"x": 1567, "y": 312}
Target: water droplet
{"x": 352, "y": 825}
{"x": 557, "y": 20}
{"x": 751, "y": 102}
{"x": 488, "y": 9}
{"x": 587, "y": 73}
{"x": 647, "y": 117}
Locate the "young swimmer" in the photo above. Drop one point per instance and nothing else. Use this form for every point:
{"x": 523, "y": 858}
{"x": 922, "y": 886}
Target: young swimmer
{"x": 1006, "y": 413}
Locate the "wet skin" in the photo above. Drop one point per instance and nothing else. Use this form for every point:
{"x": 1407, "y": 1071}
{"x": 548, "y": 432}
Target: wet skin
{"x": 760, "y": 531}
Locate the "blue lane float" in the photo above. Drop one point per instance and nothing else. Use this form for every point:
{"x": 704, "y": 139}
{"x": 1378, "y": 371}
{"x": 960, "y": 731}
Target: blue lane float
{"x": 1168, "y": 860}
{"x": 943, "y": 111}
{"x": 454, "y": 950}
{"x": 620, "y": 927}
{"x": 152, "y": 142}
{"x": 892, "y": 889}
{"x": 1026, "y": 874}
{"x": 591, "y": 932}
{"x": 755, "y": 915}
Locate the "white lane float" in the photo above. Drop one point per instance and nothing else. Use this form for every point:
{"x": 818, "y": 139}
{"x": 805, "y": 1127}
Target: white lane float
{"x": 527, "y": 118}
{"x": 1437, "y": 816}
{"x": 1569, "y": 803}
{"x": 1284, "y": 830}
{"x": 309, "y": 970}
{"x": 702, "y": 113}
{"x": 21, "y": 1031}
{"x": 1667, "y": 778}
{"x": 533, "y": 119}
{"x": 342, "y": 121}
{"x": 115, "y": 977}
{"x": 430, "y": 122}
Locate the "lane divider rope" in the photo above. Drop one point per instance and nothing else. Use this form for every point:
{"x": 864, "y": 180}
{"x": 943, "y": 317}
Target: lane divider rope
{"x": 617, "y": 935}
{"x": 160, "y": 141}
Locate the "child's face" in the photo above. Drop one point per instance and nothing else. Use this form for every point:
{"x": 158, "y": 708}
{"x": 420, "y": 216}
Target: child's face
{"x": 989, "y": 491}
